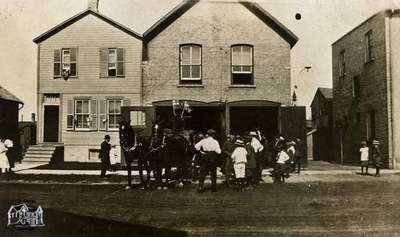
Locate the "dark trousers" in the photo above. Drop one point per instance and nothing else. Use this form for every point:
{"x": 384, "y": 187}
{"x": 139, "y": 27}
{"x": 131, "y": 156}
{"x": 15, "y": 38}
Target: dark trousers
{"x": 258, "y": 169}
{"x": 208, "y": 165}
{"x": 105, "y": 165}
{"x": 297, "y": 163}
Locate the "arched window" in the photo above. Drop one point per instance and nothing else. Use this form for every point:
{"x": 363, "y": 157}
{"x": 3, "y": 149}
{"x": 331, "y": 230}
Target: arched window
{"x": 190, "y": 64}
{"x": 242, "y": 64}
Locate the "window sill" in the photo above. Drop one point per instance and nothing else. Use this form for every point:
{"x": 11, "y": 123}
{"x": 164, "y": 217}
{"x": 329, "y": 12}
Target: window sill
{"x": 118, "y": 77}
{"x": 242, "y": 86}
{"x": 70, "y": 77}
{"x": 191, "y": 85}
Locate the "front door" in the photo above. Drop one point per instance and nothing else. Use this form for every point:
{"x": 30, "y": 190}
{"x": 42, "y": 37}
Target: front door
{"x": 51, "y": 118}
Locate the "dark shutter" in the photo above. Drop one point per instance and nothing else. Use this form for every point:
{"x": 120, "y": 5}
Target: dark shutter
{"x": 74, "y": 61}
{"x": 93, "y": 114}
{"x": 57, "y": 63}
{"x": 102, "y": 115}
{"x": 70, "y": 115}
{"x": 120, "y": 62}
{"x": 104, "y": 62}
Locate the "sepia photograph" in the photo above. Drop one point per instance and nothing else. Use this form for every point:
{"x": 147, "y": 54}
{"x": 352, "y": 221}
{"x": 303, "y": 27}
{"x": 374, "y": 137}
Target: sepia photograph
{"x": 199, "y": 118}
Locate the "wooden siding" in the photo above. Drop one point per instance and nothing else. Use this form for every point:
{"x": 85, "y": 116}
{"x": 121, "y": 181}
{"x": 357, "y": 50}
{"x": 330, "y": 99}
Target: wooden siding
{"x": 216, "y": 31}
{"x": 89, "y": 35}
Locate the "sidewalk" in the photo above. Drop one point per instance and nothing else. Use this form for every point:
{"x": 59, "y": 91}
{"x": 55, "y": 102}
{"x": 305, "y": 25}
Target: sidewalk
{"x": 313, "y": 168}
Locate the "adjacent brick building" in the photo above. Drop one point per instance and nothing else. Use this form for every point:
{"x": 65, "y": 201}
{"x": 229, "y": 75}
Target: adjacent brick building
{"x": 365, "y": 81}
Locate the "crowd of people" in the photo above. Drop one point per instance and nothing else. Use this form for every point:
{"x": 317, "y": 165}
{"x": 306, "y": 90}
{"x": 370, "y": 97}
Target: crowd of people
{"x": 244, "y": 157}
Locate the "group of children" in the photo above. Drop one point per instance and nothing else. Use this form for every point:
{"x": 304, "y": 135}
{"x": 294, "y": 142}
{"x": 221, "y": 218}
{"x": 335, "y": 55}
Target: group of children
{"x": 244, "y": 155}
{"x": 370, "y": 156}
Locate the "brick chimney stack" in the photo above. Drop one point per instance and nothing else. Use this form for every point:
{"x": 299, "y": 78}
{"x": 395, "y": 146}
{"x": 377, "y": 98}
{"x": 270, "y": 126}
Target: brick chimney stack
{"x": 93, "y": 5}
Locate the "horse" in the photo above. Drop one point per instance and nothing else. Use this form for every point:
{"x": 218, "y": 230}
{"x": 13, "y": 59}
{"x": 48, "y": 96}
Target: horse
{"x": 134, "y": 148}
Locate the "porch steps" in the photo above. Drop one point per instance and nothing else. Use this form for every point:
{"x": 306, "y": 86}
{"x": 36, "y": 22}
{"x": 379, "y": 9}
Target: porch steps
{"x": 42, "y": 153}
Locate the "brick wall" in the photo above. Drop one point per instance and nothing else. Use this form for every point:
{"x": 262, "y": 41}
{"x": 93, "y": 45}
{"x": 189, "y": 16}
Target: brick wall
{"x": 216, "y": 30}
{"x": 373, "y": 96}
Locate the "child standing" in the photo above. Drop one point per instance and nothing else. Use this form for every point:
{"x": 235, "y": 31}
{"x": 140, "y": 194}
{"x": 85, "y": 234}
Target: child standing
{"x": 364, "y": 157}
{"x": 281, "y": 166}
{"x": 239, "y": 158}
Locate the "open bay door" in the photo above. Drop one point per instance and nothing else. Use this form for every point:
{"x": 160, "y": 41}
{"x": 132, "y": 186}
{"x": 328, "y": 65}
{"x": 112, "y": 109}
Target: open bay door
{"x": 292, "y": 124}
{"x": 141, "y": 120}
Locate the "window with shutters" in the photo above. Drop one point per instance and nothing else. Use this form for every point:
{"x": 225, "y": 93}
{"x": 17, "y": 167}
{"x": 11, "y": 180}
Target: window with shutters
{"x": 113, "y": 113}
{"x": 65, "y": 62}
{"x": 242, "y": 64}
{"x": 112, "y": 62}
{"x": 190, "y": 64}
{"x": 82, "y": 114}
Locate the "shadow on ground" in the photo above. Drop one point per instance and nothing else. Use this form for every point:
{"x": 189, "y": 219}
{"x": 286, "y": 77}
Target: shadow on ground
{"x": 62, "y": 224}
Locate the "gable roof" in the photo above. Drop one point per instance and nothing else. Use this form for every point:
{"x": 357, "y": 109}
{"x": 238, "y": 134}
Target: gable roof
{"x": 6, "y": 95}
{"x": 256, "y": 9}
{"x": 271, "y": 21}
{"x": 168, "y": 19}
{"x": 327, "y": 93}
{"x": 79, "y": 16}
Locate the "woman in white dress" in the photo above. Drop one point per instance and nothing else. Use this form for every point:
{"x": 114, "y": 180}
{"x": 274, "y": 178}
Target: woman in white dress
{"x": 4, "y": 165}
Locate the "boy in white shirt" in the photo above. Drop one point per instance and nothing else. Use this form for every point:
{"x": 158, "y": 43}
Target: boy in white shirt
{"x": 239, "y": 158}
{"x": 364, "y": 157}
{"x": 281, "y": 166}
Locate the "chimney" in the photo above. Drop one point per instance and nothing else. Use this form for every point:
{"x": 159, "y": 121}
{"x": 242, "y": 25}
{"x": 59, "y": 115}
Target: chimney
{"x": 93, "y": 5}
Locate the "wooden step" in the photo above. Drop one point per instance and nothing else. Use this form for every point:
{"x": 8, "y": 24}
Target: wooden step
{"x": 36, "y": 160}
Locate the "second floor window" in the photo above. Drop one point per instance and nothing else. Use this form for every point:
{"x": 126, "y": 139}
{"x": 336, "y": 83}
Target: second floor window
{"x": 369, "y": 56}
{"x": 356, "y": 87}
{"x": 190, "y": 63}
{"x": 342, "y": 64}
{"x": 242, "y": 65}
{"x": 112, "y": 62}
{"x": 65, "y": 62}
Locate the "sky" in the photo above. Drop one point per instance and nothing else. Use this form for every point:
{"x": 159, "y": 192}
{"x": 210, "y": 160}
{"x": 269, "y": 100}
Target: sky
{"x": 322, "y": 23}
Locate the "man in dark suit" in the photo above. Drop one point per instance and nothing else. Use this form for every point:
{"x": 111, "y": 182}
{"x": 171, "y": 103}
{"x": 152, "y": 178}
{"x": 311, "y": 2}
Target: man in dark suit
{"x": 105, "y": 155}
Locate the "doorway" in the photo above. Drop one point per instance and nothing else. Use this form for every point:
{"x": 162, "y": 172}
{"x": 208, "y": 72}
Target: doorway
{"x": 51, "y": 120}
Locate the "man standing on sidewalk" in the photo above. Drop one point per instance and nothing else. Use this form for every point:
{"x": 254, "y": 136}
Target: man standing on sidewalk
{"x": 105, "y": 155}
{"x": 256, "y": 144}
{"x": 210, "y": 149}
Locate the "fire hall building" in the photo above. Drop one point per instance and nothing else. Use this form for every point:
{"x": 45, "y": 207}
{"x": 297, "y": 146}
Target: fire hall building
{"x": 231, "y": 67}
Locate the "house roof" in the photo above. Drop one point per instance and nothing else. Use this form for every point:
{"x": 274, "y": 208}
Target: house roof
{"x": 6, "y": 95}
{"x": 79, "y": 16}
{"x": 327, "y": 93}
{"x": 255, "y": 8}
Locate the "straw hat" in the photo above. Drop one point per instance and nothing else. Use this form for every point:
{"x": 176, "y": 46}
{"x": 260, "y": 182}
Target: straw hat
{"x": 239, "y": 142}
{"x": 211, "y": 132}
{"x": 252, "y": 133}
{"x": 363, "y": 143}
{"x": 375, "y": 142}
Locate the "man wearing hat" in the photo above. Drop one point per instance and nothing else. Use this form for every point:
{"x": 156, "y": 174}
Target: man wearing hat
{"x": 210, "y": 149}
{"x": 376, "y": 156}
{"x": 256, "y": 144}
{"x": 104, "y": 155}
